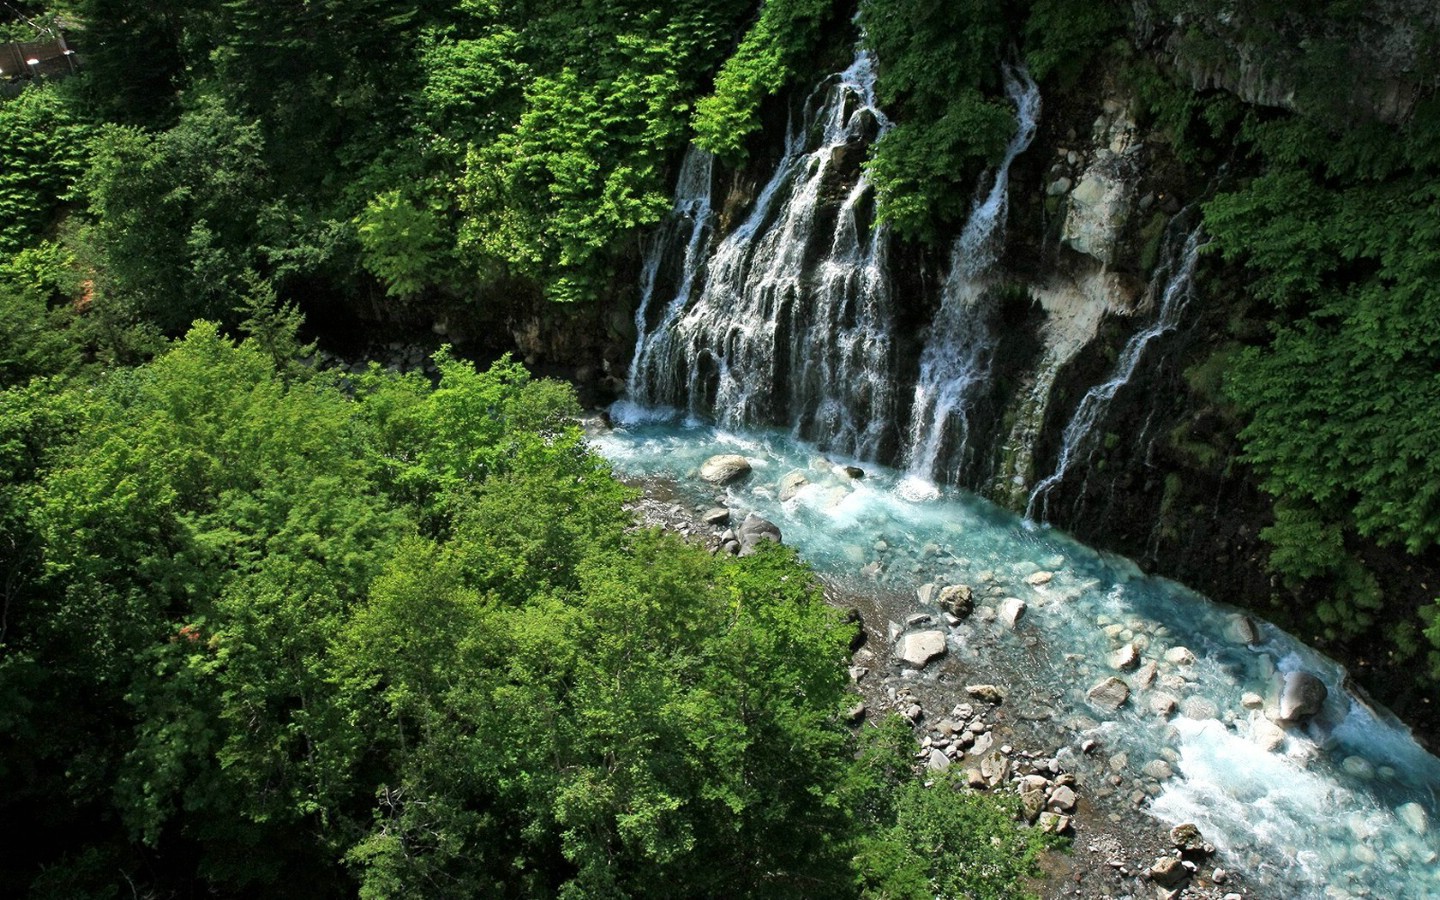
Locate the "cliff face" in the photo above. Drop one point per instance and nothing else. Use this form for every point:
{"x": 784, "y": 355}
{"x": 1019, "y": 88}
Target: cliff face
{"x": 1288, "y": 57}
{"x": 1100, "y": 333}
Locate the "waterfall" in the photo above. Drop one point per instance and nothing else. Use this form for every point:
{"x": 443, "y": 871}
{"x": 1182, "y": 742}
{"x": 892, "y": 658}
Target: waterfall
{"x": 1175, "y": 282}
{"x": 690, "y": 213}
{"x": 960, "y": 349}
{"x": 793, "y": 324}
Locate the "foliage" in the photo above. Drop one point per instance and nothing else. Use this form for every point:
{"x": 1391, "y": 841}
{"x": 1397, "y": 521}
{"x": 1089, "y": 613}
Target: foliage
{"x": 43, "y": 146}
{"x": 919, "y": 169}
{"x": 406, "y": 625}
{"x": 950, "y": 842}
{"x": 1062, "y": 38}
{"x": 766, "y": 61}
{"x": 35, "y": 339}
{"x": 938, "y": 63}
{"x": 402, "y": 242}
{"x": 1339, "y": 233}
{"x": 179, "y": 214}
{"x": 582, "y": 166}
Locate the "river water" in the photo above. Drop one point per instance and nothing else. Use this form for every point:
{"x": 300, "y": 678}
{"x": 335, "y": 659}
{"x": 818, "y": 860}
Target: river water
{"x": 1343, "y": 807}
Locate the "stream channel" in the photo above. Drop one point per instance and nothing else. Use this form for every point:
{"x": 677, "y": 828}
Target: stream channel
{"x": 1343, "y": 806}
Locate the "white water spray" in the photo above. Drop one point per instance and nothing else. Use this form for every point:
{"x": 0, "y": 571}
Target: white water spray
{"x": 692, "y": 213}
{"x": 793, "y": 325}
{"x": 1176, "y": 287}
{"x": 958, "y": 355}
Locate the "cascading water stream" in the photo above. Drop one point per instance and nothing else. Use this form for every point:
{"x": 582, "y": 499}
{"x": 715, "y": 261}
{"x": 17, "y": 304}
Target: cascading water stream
{"x": 692, "y": 213}
{"x": 960, "y": 349}
{"x": 793, "y": 324}
{"x": 1176, "y": 281}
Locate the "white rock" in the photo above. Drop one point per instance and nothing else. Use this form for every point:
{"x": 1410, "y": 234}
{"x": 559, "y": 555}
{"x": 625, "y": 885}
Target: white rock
{"x": 1039, "y": 578}
{"x": 1063, "y": 799}
{"x": 1180, "y": 656}
{"x": 1251, "y": 700}
{"x": 1098, "y": 210}
{"x": 1127, "y": 657}
{"x": 1413, "y": 815}
{"x": 919, "y": 648}
{"x": 724, "y": 468}
{"x": 1011, "y": 610}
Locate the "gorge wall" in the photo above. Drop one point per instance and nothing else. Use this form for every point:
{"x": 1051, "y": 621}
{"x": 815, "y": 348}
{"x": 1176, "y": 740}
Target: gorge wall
{"x": 1061, "y": 352}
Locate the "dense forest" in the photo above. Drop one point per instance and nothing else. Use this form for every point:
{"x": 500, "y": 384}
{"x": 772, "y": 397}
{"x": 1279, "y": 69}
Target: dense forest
{"x": 270, "y": 627}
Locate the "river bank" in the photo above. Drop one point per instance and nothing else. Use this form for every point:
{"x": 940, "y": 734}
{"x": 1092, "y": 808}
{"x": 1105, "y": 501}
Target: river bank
{"x": 1160, "y": 704}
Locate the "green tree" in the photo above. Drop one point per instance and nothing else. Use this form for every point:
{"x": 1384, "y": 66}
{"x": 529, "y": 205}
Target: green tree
{"x": 939, "y": 68}
{"x": 768, "y": 59}
{"x": 43, "y": 145}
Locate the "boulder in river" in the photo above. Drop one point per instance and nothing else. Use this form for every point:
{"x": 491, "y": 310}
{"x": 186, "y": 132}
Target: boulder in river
{"x": 918, "y": 648}
{"x": 1127, "y": 657}
{"x": 754, "y": 530}
{"x": 987, "y": 692}
{"x": 1146, "y": 676}
{"x": 1180, "y": 656}
{"x": 1302, "y": 697}
{"x": 1414, "y": 817}
{"x": 716, "y": 515}
{"x": 791, "y": 484}
{"x": 1109, "y": 694}
{"x": 724, "y": 468}
{"x": 1186, "y": 838}
{"x": 1199, "y": 708}
{"x": 1242, "y": 630}
{"x": 956, "y": 599}
{"x": 1266, "y": 733}
{"x": 1011, "y": 610}
{"x": 1162, "y": 704}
